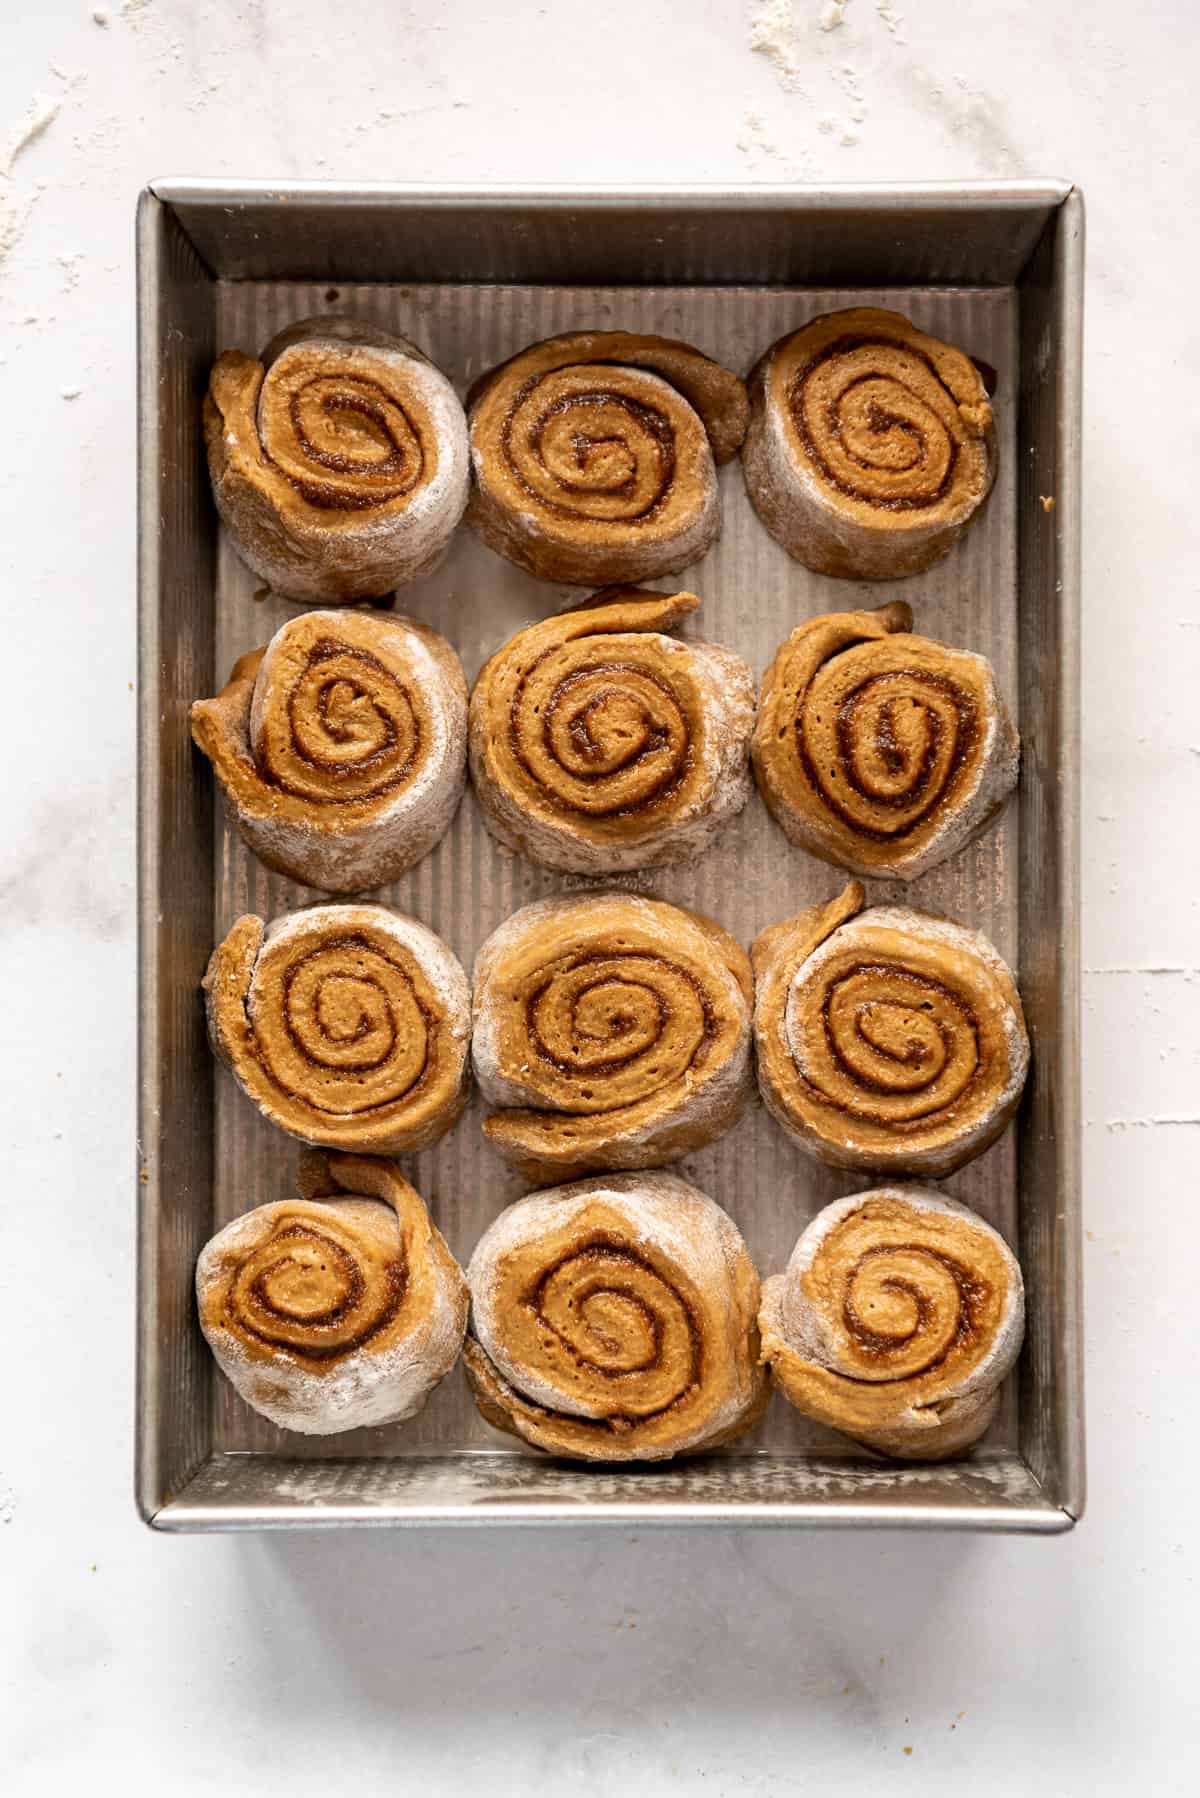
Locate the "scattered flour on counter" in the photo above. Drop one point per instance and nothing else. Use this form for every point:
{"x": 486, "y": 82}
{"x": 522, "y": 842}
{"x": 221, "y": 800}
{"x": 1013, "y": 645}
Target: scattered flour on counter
{"x": 847, "y": 136}
{"x": 754, "y": 141}
{"x": 131, "y": 8}
{"x": 832, "y": 14}
{"x": 1152, "y": 1123}
{"x": 101, "y": 16}
{"x": 977, "y": 118}
{"x": 8, "y": 1504}
{"x": 12, "y": 219}
{"x": 71, "y": 393}
{"x": 750, "y": 137}
{"x": 38, "y": 116}
{"x": 773, "y": 35}
{"x": 891, "y": 18}
{"x": 850, "y": 81}
{"x": 845, "y": 129}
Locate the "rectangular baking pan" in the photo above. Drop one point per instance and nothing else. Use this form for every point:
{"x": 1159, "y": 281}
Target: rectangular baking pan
{"x": 472, "y": 277}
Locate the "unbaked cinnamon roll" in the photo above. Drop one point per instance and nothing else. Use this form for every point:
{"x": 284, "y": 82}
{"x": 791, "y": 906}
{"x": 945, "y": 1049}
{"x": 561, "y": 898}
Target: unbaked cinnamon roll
{"x": 348, "y": 1025}
{"x": 871, "y": 445}
{"x": 610, "y": 1032}
{"x": 339, "y": 461}
{"x": 338, "y": 1309}
{"x": 614, "y": 1320}
{"x": 598, "y": 744}
{"x": 341, "y": 747}
{"x": 887, "y": 1038}
{"x": 594, "y": 456}
{"x": 881, "y": 751}
{"x": 896, "y": 1322}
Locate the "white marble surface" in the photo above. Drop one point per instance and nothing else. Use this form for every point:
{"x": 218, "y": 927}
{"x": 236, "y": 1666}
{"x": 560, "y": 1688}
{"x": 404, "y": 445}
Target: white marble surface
{"x": 601, "y": 1664}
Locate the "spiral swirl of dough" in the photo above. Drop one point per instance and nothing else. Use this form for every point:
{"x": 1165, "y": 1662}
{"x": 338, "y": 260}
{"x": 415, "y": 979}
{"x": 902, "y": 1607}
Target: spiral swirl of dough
{"x": 348, "y": 1025}
{"x": 314, "y": 1285}
{"x": 898, "y": 1317}
{"x": 594, "y": 455}
{"x": 598, "y": 744}
{"x": 612, "y": 1031}
{"x": 890, "y": 1039}
{"x": 340, "y": 747}
{"x": 878, "y": 421}
{"x": 612, "y": 1320}
{"x": 341, "y": 1308}
{"x": 339, "y": 460}
{"x": 878, "y": 750}
{"x": 871, "y": 444}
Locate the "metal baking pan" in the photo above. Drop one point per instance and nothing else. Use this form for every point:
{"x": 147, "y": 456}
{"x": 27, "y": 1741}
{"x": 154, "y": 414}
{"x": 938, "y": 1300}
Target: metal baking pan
{"x": 472, "y": 277}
